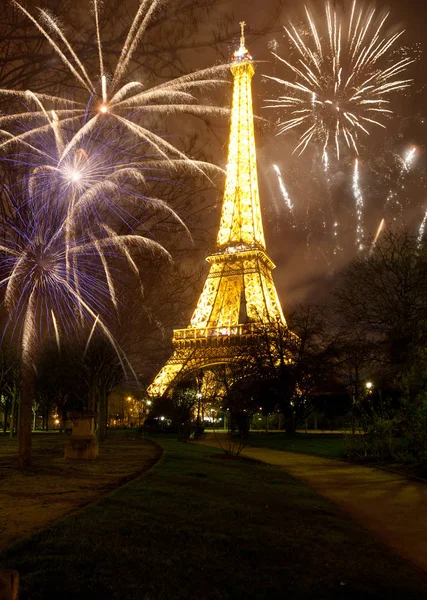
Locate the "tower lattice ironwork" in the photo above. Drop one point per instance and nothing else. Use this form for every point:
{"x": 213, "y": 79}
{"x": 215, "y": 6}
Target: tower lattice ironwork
{"x": 239, "y": 291}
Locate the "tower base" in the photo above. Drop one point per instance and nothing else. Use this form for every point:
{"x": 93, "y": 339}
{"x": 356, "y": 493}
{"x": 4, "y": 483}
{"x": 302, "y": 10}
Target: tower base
{"x": 197, "y": 349}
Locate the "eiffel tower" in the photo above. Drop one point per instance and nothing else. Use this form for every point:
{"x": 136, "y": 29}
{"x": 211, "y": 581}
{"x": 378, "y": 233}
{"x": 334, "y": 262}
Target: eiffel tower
{"x": 239, "y": 291}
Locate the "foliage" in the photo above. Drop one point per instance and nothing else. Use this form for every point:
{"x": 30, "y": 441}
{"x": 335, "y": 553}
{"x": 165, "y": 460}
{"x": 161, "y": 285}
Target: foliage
{"x": 382, "y": 299}
{"x": 174, "y": 411}
{"x": 414, "y": 430}
{"x": 375, "y": 437}
{"x": 289, "y": 366}
{"x": 374, "y": 442}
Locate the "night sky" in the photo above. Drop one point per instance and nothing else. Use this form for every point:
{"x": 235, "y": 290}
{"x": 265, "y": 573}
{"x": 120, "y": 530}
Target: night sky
{"x": 300, "y": 246}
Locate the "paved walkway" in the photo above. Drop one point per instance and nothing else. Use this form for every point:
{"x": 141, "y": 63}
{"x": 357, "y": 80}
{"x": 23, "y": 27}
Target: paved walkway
{"x": 392, "y": 506}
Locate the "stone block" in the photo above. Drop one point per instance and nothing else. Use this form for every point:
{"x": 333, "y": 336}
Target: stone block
{"x": 82, "y": 448}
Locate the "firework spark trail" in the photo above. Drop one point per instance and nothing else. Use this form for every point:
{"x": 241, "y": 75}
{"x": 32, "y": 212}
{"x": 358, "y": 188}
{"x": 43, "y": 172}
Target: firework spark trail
{"x": 359, "y": 206}
{"x": 283, "y": 189}
{"x": 90, "y": 335}
{"x": 325, "y": 159}
{"x": 342, "y": 81}
{"x": 326, "y": 172}
{"x": 406, "y": 164}
{"x": 115, "y": 100}
{"x": 377, "y": 235}
{"x": 55, "y": 325}
{"x": 422, "y": 230}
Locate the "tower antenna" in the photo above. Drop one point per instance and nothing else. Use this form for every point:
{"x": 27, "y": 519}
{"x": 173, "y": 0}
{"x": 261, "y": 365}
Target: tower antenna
{"x": 242, "y": 34}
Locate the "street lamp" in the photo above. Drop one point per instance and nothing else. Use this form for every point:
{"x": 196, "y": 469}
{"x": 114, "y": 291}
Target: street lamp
{"x": 369, "y": 385}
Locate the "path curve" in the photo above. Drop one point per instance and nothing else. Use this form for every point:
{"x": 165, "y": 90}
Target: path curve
{"x": 390, "y": 505}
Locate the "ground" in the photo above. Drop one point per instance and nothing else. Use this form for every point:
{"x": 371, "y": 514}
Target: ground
{"x": 54, "y": 486}
{"x": 323, "y": 444}
{"x": 391, "y": 505}
{"x": 195, "y": 527}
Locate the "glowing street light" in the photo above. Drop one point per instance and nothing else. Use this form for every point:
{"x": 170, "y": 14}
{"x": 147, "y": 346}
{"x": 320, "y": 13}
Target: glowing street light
{"x": 369, "y": 385}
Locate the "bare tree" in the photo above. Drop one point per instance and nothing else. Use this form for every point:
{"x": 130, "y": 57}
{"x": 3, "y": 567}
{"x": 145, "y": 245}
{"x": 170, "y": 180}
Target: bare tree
{"x": 9, "y": 386}
{"x": 291, "y": 365}
{"x": 382, "y": 298}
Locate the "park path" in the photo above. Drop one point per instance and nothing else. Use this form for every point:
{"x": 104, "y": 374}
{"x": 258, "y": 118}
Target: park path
{"x": 390, "y": 505}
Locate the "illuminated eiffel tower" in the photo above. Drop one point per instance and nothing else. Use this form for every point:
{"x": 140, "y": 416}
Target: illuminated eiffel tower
{"x": 239, "y": 291}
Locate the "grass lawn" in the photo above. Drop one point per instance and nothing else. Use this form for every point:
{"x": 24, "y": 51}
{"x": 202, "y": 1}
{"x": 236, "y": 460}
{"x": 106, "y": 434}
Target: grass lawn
{"x": 323, "y": 444}
{"x": 54, "y": 486}
{"x": 199, "y": 527}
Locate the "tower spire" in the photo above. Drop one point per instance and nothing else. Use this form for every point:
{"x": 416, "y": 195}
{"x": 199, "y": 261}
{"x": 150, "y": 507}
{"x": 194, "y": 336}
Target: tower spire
{"x": 241, "y": 223}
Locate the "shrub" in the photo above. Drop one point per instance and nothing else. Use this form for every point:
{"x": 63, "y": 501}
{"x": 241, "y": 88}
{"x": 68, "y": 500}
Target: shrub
{"x": 414, "y": 429}
{"x": 375, "y": 439}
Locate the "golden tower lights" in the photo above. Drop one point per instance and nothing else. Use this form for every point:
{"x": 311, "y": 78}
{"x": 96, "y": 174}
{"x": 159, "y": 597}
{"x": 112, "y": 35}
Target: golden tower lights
{"x": 239, "y": 291}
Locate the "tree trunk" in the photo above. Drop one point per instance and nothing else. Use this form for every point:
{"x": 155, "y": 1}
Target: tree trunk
{"x": 91, "y": 404}
{"x": 289, "y": 422}
{"x": 25, "y": 417}
{"x": 355, "y": 400}
{"x": 102, "y": 416}
{"x": 107, "y": 414}
{"x": 18, "y": 412}
{"x": 12, "y": 417}
{"x": 5, "y": 419}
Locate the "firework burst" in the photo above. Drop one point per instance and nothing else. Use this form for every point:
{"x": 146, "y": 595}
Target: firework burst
{"x": 343, "y": 74}
{"x": 108, "y": 97}
{"x": 54, "y": 280}
{"x": 377, "y": 235}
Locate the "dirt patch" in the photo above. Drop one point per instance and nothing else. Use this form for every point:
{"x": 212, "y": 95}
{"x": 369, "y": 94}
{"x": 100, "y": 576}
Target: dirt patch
{"x": 54, "y": 486}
